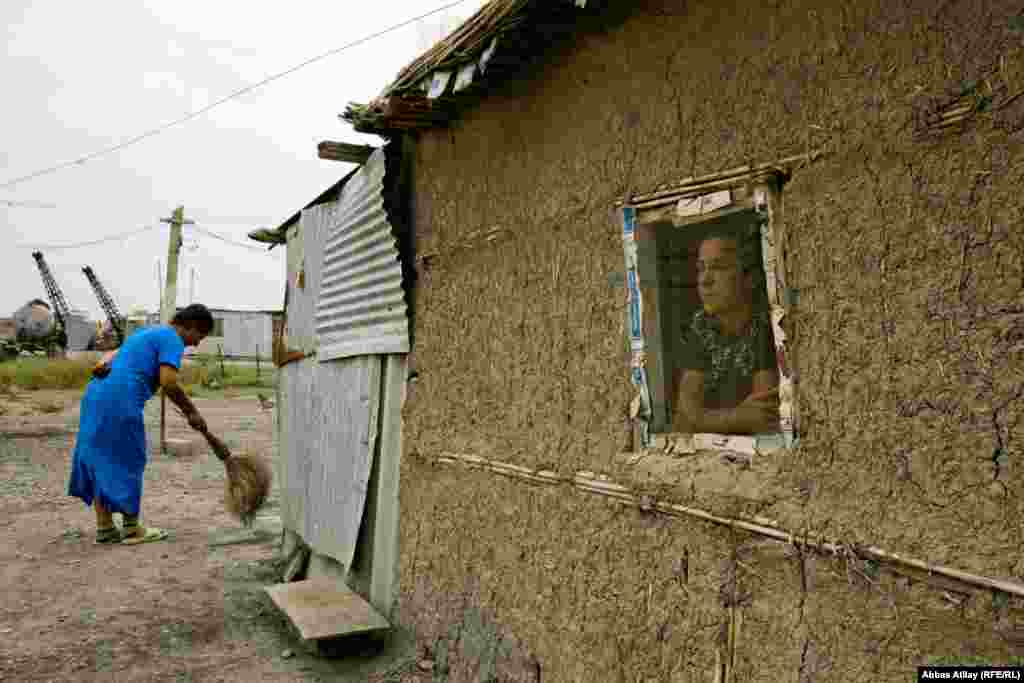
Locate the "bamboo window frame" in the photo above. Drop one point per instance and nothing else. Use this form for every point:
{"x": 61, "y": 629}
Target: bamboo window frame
{"x": 756, "y": 188}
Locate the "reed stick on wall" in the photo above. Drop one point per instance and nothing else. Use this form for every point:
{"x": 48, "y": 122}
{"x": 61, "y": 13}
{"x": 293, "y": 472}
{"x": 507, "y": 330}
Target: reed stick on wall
{"x": 589, "y": 482}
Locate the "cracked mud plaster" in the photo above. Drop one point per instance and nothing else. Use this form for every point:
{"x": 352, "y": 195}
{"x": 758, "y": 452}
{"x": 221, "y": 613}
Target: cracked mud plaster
{"x": 910, "y": 263}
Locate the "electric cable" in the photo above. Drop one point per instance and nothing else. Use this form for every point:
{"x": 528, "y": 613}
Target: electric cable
{"x": 216, "y": 103}
{"x": 112, "y": 238}
{"x": 210, "y": 233}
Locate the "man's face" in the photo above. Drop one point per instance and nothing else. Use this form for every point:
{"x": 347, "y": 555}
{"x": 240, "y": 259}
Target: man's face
{"x": 719, "y": 279}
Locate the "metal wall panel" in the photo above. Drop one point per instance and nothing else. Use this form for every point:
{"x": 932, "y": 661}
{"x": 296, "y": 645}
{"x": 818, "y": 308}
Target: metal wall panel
{"x": 328, "y": 416}
{"x": 361, "y": 308}
{"x": 254, "y": 334}
{"x": 296, "y": 379}
{"x": 296, "y": 425}
{"x": 305, "y": 255}
{"x": 344, "y": 400}
{"x": 232, "y": 333}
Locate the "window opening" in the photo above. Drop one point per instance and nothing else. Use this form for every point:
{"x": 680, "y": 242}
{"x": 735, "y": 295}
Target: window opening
{"x": 703, "y": 278}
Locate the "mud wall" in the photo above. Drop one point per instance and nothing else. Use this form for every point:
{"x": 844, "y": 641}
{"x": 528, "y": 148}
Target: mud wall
{"x": 908, "y": 255}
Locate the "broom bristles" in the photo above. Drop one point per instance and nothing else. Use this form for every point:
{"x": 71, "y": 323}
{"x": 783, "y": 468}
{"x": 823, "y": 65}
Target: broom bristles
{"x": 247, "y": 485}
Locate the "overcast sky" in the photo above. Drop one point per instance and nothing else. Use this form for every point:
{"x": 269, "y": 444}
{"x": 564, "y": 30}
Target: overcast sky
{"x": 79, "y": 77}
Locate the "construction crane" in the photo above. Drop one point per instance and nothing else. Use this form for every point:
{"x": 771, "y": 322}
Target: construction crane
{"x": 61, "y": 310}
{"x": 117, "y": 321}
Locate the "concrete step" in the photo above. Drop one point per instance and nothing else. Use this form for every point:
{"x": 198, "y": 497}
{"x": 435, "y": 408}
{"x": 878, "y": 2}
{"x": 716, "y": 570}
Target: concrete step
{"x": 325, "y": 608}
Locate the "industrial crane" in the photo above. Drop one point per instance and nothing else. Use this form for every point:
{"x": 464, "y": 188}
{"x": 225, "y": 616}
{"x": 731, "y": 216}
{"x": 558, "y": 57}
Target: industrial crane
{"x": 61, "y": 310}
{"x": 117, "y": 321}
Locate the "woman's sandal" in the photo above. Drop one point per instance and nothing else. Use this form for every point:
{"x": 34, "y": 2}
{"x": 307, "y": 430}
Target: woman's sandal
{"x": 152, "y": 535}
{"x": 108, "y": 536}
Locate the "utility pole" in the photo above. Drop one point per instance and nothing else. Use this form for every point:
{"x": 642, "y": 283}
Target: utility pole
{"x": 160, "y": 285}
{"x": 170, "y": 298}
{"x": 192, "y": 287}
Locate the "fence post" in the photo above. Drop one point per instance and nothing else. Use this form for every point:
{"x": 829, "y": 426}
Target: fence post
{"x": 220, "y": 354}
{"x": 257, "y": 361}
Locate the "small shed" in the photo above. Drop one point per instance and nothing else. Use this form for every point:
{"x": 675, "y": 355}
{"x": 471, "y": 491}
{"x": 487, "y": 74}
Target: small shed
{"x": 238, "y": 334}
{"x": 345, "y": 338}
{"x": 558, "y": 169}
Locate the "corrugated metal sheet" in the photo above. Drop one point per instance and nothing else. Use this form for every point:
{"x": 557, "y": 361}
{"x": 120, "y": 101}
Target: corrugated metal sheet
{"x": 248, "y": 333}
{"x": 233, "y": 334}
{"x": 345, "y": 397}
{"x": 245, "y": 332}
{"x": 328, "y": 415}
{"x": 361, "y": 309}
{"x": 296, "y": 424}
{"x": 305, "y": 255}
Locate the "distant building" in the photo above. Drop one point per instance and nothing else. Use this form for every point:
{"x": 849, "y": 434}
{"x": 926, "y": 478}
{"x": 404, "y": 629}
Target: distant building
{"x": 34, "y": 321}
{"x": 236, "y": 333}
{"x": 134, "y": 322}
{"x": 81, "y": 331}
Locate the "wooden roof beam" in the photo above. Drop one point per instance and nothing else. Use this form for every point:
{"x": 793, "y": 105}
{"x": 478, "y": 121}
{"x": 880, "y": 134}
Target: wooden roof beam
{"x": 343, "y": 151}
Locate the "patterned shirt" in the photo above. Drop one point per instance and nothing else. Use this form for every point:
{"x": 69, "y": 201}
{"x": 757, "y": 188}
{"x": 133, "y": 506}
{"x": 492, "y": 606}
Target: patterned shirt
{"x": 728, "y": 362}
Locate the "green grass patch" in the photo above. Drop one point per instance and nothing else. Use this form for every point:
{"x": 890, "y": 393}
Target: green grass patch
{"x": 193, "y": 374}
{"x": 208, "y": 378}
{"x": 32, "y": 374}
{"x": 203, "y": 379}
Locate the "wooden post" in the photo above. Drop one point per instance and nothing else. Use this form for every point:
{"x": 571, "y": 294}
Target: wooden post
{"x": 342, "y": 151}
{"x": 220, "y": 354}
{"x": 170, "y": 299}
{"x": 163, "y": 423}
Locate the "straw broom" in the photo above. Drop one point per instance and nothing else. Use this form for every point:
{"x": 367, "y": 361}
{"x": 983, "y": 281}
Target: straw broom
{"x": 247, "y": 481}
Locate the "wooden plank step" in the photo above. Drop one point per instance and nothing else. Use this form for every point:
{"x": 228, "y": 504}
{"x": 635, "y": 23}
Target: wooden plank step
{"x": 325, "y": 608}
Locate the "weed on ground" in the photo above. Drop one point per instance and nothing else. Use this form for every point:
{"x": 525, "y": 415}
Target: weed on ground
{"x": 32, "y": 374}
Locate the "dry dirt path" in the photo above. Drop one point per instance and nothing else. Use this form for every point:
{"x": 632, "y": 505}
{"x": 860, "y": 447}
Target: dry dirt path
{"x": 191, "y": 608}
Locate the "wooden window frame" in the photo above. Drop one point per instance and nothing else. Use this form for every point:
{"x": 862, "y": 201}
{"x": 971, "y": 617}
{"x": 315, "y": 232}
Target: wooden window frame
{"x": 692, "y": 202}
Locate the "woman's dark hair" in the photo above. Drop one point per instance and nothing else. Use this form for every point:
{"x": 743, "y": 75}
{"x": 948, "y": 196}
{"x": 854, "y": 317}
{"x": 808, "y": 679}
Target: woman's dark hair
{"x": 195, "y": 316}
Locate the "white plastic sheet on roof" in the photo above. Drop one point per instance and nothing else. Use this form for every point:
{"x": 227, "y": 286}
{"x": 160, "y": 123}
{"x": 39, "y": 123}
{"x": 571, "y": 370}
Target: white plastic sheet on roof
{"x": 361, "y": 307}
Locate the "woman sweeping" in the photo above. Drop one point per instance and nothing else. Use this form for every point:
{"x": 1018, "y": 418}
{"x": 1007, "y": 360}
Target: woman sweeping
{"x": 110, "y": 454}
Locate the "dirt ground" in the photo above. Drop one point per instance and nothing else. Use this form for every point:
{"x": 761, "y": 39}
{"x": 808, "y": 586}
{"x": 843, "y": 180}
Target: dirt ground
{"x": 191, "y": 608}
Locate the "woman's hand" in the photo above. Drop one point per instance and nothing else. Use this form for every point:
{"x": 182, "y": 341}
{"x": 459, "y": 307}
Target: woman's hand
{"x": 102, "y": 367}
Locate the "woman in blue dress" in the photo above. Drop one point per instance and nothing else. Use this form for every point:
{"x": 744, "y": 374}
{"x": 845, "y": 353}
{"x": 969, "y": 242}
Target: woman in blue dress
{"x": 110, "y": 453}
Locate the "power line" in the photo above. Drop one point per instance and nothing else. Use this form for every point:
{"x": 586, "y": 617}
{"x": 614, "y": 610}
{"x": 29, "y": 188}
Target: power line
{"x": 27, "y": 204}
{"x": 103, "y": 240}
{"x": 238, "y": 93}
{"x": 231, "y": 220}
{"x": 127, "y": 235}
{"x": 215, "y": 236}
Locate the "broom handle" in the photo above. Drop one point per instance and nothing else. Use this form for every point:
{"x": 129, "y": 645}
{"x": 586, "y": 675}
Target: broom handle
{"x": 220, "y": 449}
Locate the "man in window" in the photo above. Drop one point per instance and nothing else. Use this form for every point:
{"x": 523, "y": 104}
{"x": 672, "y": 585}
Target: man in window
{"x": 729, "y": 381}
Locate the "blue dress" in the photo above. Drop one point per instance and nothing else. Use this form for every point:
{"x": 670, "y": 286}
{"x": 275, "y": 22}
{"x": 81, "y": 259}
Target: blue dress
{"x": 110, "y": 453}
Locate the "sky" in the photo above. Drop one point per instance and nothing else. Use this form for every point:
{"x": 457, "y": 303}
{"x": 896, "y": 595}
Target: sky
{"x": 76, "y": 82}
